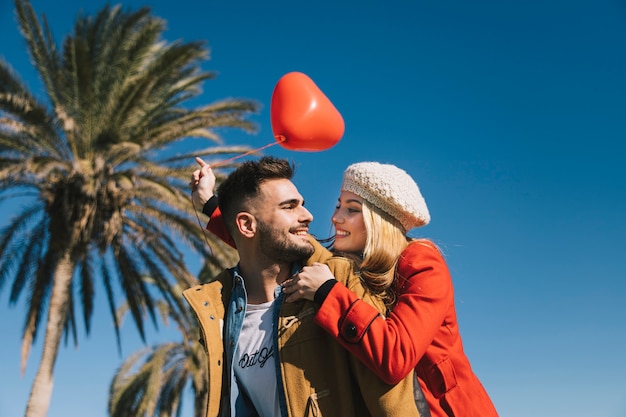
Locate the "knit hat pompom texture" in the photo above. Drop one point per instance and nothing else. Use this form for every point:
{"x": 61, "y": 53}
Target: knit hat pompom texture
{"x": 390, "y": 189}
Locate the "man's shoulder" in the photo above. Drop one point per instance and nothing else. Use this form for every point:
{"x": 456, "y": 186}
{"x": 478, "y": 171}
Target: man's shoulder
{"x": 341, "y": 268}
{"x": 219, "y": 285}
{"x": 320, "y": 254}
{"x": 339, "y": 263}
{"x": 344, "y": 271}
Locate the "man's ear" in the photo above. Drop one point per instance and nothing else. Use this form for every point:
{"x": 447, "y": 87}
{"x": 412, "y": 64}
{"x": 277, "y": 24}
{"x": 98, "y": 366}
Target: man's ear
{"x": 246, "y": 224}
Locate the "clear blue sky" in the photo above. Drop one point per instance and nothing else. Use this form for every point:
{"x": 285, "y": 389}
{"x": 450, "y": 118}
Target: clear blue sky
{"x": 510, "y": 115}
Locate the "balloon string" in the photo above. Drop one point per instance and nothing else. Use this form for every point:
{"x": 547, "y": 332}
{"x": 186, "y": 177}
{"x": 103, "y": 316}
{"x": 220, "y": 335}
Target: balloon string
{"x": 200, "y": 224}
{"x": 279, "y": 139}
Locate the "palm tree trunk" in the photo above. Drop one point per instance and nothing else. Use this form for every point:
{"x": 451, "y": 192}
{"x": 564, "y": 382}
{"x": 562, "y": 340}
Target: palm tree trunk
{"x": 41, "y": 392}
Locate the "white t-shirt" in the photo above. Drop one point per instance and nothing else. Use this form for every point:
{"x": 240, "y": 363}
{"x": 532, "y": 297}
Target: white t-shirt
{"x": 254, "y": 362}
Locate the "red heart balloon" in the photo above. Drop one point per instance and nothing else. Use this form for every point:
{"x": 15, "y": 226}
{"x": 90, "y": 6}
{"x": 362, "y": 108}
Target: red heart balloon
{"x": 303, "y": 118}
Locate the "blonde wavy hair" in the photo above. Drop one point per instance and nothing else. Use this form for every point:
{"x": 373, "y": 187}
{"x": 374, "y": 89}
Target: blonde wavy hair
{"x": 385, "y": 242}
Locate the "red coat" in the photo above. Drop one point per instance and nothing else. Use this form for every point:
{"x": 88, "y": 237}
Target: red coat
{"x": 217, "y": 226}
{"x": 421, "y": 332}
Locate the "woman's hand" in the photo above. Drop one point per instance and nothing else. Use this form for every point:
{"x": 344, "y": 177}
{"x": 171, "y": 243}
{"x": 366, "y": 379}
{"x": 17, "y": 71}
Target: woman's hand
{"x": 305, "y": 283}
{"x": 202, "y": 184}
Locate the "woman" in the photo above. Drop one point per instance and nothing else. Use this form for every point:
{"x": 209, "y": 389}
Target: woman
{"x": 378, "y": 205}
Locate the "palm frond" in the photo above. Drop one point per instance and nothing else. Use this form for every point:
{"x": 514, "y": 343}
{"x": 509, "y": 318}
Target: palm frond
{"x": 101, "y": 159}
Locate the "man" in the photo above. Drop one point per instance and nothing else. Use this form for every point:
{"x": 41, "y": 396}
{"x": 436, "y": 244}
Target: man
{"x": 265, "y": 357}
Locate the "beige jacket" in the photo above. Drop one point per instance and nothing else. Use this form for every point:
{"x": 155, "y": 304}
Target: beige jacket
{"x": 320, "y": 378}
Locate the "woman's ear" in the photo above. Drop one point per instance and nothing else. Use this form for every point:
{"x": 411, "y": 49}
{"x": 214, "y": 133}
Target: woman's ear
{"x": 246, "y": 224}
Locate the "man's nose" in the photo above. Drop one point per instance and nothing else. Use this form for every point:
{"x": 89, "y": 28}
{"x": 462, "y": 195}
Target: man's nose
{"x": 306, "y": 215}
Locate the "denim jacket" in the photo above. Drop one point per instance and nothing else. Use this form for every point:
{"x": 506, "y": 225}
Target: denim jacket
{"x": 239, "y": 403}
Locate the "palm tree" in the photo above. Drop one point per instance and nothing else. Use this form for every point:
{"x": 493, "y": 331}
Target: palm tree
{"x": 152, "y": 382}
{"x": 96, "y": 160}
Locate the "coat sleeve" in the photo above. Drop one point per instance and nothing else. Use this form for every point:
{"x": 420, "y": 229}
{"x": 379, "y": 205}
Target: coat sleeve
{"x": 217, "y": 226}
{"x": 392, "y": 347}
{"x": 380, "y": 399}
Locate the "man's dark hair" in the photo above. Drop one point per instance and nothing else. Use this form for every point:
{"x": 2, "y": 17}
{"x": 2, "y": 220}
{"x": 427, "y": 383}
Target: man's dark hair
{"x": 243, "y": 184}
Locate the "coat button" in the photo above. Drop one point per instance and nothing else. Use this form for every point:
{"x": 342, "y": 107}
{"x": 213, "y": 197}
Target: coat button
{"x": 350, "y": 331}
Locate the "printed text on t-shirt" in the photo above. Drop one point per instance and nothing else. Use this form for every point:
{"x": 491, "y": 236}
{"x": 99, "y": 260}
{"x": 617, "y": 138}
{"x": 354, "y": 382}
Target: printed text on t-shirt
{"x": 257, "y": 358}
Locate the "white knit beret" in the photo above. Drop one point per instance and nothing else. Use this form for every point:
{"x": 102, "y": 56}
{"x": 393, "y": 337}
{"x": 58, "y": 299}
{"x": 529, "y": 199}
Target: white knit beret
{"x": 390, "y": 189}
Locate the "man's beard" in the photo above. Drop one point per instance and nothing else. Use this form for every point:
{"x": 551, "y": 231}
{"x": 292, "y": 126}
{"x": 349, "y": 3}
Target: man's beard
{"x": 278, "y": 245}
